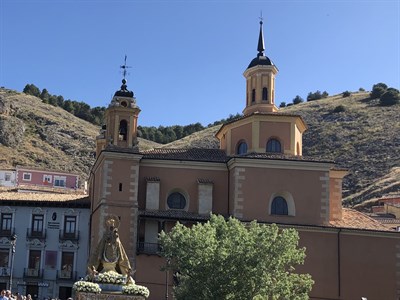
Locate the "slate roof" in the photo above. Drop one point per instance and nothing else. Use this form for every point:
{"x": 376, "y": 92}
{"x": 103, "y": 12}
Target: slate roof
{"x": 192, "y": 154}
{"x": 173, "y": 215}
{"x": 353, "y": 219}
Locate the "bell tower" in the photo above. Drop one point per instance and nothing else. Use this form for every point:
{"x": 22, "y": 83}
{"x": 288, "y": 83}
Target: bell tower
{"x": 120, "y": 129}
{"x": 260, "y": 81}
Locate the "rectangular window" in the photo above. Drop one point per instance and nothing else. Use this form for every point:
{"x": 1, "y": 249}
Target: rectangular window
{"x": 6, "y": 222}
{"x": 26, "y": 176}
{"x": 37, "y": 225}
{"x": 70, "y": 225}
{"x": 7, "y": 177}
{"x": 34, "y": 259}
{"x": 67, "y": 261}
{"x": 46, "y": 179}
{"x": 60, "y": 181}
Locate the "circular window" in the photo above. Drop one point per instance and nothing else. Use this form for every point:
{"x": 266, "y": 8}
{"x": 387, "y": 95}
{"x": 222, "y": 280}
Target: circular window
{"x": 124, "y": 104}
{"x": 176, "y": 201}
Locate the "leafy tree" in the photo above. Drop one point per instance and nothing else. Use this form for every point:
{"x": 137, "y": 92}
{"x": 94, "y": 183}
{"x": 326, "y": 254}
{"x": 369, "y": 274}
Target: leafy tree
{"x": 31, "y": 89}
{"x": 297, "y": 100}
{"x": 361, "y": 89}
{"x": 378, "y": 90}
{"x": 283, "y": 104}
{"x": 226, "y": 259}
{"x": 390, "y": 97}
{"x": 317, "y": 95}
{"x": 44, "y": 95}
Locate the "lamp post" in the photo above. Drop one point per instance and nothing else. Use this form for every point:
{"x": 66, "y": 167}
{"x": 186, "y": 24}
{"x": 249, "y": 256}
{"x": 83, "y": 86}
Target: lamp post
{"x": 13, "y": 242}
{"x": 166, "y": 278}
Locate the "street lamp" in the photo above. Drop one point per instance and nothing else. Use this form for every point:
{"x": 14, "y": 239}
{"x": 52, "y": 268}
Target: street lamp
{"x": 13, "y": 242}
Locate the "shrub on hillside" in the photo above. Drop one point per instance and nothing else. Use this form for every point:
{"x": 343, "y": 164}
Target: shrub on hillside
{"x": 346, "y": 94}
{"x": 283, "y": 104}
{"x": 361, "y": 89}
{"x": 339, "y": 108}
{"x": 317, "y": 95}
{"x": 298, "y": 100}
{"x": 390, "y": 97}
{"x": 378, "y": 90}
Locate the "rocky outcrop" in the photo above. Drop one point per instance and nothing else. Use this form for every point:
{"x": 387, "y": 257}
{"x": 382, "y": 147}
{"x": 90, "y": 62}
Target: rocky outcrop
{"x": 11, "y": 131}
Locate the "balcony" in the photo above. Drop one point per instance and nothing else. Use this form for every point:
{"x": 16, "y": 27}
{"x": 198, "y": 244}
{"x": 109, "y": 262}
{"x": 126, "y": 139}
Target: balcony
{"x": 5, "y": 272}
{"x": 33, "y": 273}
{"x": 66, "y": 275}
{"x": 72, "y": 236}
{"x": 7, "y": 232}
{"x": 33, "y": 234}
{"x": 148, "y": 248}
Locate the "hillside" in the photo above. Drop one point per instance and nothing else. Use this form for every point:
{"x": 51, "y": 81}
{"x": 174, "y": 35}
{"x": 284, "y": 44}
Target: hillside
{"x": 365, "y": 139}
{"x": 33, "y": 133}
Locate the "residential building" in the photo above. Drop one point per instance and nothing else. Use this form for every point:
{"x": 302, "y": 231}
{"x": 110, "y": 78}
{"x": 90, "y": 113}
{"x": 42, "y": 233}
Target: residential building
{"x": 8, "y": 177}
{"x": 258, "y": 173}
{"x": 52, "y": 232}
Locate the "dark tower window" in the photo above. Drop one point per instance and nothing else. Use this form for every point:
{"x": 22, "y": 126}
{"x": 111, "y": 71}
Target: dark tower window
{"x": 253, "y": 95}
{"x": 120, "y": 187}
{"x": 279, "y": 206}
{"x": 273, "y": 145}
{"x": 124, "y": 104}
{"x": 265, "y": 94}
{"x": 241, "y": 148}
{"x": 123, "y": 130}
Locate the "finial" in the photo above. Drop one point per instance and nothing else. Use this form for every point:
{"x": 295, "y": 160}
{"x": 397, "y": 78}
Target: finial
{"x": 261, "y": 47}
{"x": 124, "y": 67}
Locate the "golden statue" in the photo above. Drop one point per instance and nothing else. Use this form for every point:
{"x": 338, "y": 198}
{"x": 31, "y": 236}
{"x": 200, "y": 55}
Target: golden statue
{"x": 110, "y": 254}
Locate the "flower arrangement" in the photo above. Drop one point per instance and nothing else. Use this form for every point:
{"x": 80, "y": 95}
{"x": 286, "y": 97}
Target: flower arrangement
{"x": 86, "y": 286}
{"x": 138, "y": 290}
{"x": 110, "y": 277}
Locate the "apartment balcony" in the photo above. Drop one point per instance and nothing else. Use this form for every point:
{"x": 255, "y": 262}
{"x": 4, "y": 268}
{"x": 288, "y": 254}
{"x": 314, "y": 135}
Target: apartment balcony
{"x": 33, "y": 273}
{"x": 148, "y": 248}
{"x": 66, "y": 275}
{"x": 7, "y": 232}
{"x": 33, "y": 234}
{"x": 72, "y": 236}
{"x": 5, "y": 272}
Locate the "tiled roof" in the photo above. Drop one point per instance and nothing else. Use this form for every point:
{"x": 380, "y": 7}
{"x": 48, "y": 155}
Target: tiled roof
{"x": 174, "y": 215}
{"x": 280, "y": 156}
{"x": 356, "y": 220}
{"x": 192, "y": 154}
{"x": 41, "y": 197}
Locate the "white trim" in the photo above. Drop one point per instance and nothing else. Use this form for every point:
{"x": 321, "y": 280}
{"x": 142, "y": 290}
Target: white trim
{"x": 23, "y": 176}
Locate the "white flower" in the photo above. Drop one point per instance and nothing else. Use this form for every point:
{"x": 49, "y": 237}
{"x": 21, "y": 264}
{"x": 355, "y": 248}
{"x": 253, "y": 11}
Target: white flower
{"x": 86, "y": 286}
{"x": 134, "y": 289}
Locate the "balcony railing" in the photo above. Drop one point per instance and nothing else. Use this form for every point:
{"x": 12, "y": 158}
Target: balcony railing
{"x": 66, "y": 275}
{"x": 33, "y": 234}
{"x": 148, "y": 248}
{"x": 69, "y": 235}
{"x": 7, "y": 232}
{"x": 5, "y": 272}
{"x": 33, "y": 273}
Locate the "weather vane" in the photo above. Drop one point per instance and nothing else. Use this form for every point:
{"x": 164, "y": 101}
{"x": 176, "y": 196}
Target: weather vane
{"x": 124, "y": 67}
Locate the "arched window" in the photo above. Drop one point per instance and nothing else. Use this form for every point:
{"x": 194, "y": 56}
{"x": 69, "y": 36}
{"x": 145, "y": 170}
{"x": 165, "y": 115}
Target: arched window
{"x": 253, "y": 95}
{"x": 265, "y": 94}
{"x": 123, "y": 130}
{"x": 241, "y": 148}
{"x": 273, "y": 145}
{"x": 279, "y": 206}
{"x": 176, "y": 201}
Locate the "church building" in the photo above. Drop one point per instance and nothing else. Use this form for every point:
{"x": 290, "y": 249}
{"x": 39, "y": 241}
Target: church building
{"x": 258, "y": 173}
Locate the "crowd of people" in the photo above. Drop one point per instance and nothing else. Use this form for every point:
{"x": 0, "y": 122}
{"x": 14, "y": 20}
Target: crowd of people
{"x": 7, "y": 295}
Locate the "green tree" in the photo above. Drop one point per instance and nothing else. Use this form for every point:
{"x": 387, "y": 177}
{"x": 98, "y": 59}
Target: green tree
{"x": 378, "y": 90}
{"x": 44, "y": 95}
{"x": 31, "y": 89}
{"x": 226, "y": 259}
{"x": 346, "y": 94}
{"x": 390, "y": 97}
{"x": 298, "y": 100}
{"x": 283, "y": 104}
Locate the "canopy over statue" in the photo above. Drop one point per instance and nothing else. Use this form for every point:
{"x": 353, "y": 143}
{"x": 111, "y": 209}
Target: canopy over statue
{"x": 110, "y": 254}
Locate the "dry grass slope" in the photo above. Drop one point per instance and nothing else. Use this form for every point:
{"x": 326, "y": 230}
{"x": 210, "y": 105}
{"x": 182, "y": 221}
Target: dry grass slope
{"x": 48, "y": 136}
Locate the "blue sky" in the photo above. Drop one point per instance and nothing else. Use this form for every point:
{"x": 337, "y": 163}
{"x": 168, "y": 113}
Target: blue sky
{"x": 188, "y": 57}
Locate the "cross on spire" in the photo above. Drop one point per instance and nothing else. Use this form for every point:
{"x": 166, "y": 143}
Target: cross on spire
{"x": 124, "y": 67}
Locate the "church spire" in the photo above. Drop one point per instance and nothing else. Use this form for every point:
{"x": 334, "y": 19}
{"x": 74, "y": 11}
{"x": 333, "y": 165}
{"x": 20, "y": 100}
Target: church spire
{"x": 261, "y": 46}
